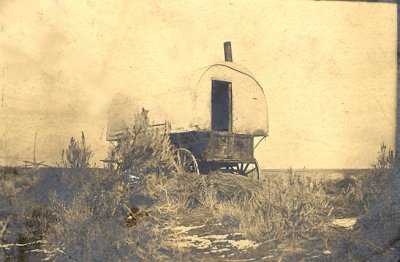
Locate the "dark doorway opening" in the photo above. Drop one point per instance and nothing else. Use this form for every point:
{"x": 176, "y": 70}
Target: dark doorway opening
{"x": 221, "y": 100}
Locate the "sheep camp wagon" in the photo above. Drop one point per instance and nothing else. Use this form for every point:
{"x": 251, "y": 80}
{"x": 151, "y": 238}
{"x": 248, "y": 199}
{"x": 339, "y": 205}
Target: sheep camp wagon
{"x": 228, "y": 112}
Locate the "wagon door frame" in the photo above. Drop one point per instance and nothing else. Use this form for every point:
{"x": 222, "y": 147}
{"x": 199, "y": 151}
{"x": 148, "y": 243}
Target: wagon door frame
{"x": 221, "y": 105}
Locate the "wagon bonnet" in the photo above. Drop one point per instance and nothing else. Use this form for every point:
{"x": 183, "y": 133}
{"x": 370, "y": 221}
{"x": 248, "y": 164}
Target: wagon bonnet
{"x": 192, "y": 109}
{"x": 248, "y": 106}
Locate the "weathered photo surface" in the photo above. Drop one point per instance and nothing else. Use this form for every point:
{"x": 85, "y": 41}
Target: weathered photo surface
{"x": 198, "y": 130}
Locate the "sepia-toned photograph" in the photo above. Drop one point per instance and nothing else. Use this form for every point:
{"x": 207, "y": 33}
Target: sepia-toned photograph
{"x": 225, "y": 130}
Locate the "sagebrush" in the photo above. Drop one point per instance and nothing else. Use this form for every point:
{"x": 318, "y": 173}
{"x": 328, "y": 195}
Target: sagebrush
{"x": 142, "y": 148}
{"x": 78, "y": 154}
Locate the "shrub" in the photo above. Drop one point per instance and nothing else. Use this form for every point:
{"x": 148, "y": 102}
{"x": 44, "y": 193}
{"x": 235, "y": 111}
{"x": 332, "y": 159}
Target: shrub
{"x": 289, "y": 207}
{"x": 78, "y": 154}
{"x": 90, "y": 226}
{"x": 385, "y": 160}
{"x": 377, "y": 231}
{"x": 103, "y": 223}
{"x": 142, "y": 148}
{"x": 38, "y": 222}
{"x": 8, "y": 170}
{"x": 378, "y": 185}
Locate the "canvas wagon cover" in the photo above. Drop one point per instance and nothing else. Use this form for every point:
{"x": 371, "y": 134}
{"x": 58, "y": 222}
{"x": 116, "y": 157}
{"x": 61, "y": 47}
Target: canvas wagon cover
{"x": 191, "y": 109}
{"x": 249, "y": 105}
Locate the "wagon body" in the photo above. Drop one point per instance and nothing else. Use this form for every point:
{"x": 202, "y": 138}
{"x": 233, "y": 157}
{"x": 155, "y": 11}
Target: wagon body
{"x": 216, "y": 146}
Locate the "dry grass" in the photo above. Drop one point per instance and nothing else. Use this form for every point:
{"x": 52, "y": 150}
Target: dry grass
{"x": 91, "y": 226}
{"x": 288, "y": 209}
{"x": 94, "y": 222}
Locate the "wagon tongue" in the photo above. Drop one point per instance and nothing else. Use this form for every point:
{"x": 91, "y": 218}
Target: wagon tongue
{"x": 228, "y": 51}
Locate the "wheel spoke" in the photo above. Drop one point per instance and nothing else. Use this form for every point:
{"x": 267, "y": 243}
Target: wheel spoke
{"x": 247, "y": 173}
{"x": 248, "y": 169}
{"x": 245, "y": 168}
{"x": 184, "y": 158}
{"x": 179, "y": 161}
{"x": 185, "y": 164}
{"x": 237, "y": 168}
{"x": 188, "y": 165}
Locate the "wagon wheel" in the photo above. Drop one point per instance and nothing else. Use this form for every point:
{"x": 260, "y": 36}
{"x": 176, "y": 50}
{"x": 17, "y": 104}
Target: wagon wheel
{"x": 250, "y": 170}
{"x": 185, "y": 162}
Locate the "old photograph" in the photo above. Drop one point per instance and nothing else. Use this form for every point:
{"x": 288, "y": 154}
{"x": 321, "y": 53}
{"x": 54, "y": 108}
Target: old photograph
{"x": 224, "y": 130}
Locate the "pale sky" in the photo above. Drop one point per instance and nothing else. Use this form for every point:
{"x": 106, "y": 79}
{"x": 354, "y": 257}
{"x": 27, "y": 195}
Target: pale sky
{"x": 328, "y": 70}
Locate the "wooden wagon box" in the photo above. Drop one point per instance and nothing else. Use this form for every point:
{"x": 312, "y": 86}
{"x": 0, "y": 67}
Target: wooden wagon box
{"x": 214, "y": 146}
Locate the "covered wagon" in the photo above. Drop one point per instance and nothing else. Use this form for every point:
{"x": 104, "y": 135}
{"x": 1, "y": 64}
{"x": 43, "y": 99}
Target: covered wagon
{"x": 228, "y": 110}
